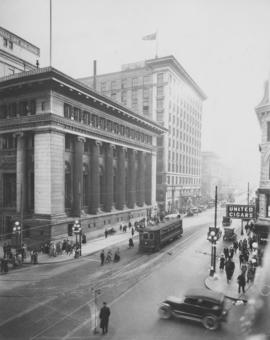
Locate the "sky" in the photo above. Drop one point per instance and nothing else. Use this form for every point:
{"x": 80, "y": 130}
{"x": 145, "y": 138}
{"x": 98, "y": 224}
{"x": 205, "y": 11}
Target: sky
{"x": 223, "y": 44}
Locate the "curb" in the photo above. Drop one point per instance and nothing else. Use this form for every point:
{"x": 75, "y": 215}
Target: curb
{"x": 245, "y": 300}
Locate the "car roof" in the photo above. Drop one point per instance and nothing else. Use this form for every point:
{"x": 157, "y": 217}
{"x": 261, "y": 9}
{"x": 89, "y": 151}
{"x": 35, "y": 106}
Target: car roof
{"x": 205, "y": 294}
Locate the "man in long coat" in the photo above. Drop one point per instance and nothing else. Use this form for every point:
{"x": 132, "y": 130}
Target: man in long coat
{"x": 104, "y": 318}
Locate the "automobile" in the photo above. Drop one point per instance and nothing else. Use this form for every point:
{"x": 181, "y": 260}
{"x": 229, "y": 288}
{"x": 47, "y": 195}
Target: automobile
{"x": 200, "y": 305}
{"x": 226, "y": 221}
{"x": 189, "y": 213}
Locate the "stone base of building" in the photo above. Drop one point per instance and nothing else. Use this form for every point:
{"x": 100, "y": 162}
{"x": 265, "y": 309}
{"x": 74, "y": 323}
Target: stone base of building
{"x": 41, "y": 228}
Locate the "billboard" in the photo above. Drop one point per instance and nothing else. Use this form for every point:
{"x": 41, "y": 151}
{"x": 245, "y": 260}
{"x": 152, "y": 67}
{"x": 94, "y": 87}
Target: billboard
{"x": 241, "y": 211}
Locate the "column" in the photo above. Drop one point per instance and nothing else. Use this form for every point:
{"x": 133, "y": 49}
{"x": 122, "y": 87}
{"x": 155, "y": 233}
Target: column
{"x": 148, "y": 179}
{"x": 49, "y": 165}
{"x": 108, "y": 177}
{"x": 95, "y": 185}
{"x": 21, "y": 178}
{"x": 121, "y": 180}
{"x": 77, "y": 176}
{"x": 131, "y": 179}
{"x": 141, "y": 178}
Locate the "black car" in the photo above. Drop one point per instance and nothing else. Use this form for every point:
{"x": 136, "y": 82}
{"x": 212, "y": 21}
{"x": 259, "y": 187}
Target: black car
{"x": 200, "y": 305}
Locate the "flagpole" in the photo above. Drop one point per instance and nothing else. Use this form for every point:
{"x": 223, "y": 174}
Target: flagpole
{"x": 50, "y": 33}
{"x": 156, "y": 44}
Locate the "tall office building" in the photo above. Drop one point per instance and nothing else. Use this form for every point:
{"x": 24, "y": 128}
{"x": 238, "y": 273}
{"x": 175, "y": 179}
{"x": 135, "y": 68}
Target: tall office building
{"x": 16, "y": 54}
{"x": 161, "y": 89}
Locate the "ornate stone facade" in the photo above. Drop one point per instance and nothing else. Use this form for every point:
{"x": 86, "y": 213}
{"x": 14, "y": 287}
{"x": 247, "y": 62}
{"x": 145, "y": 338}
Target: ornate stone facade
{"x": 71, "y": 154}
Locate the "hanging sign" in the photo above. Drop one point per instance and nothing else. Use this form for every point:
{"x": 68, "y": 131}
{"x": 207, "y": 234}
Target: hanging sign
{"x": 241, "y": 211}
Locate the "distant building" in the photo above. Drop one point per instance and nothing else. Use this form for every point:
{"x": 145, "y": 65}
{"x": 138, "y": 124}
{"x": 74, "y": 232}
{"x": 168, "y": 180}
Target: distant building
{"x": 67, "y": 153}
{"x": 214, "y": 173}
{"x": 263, "y": 113}
{"x": 16, "y": 54}
{"x": 162, "y": 90}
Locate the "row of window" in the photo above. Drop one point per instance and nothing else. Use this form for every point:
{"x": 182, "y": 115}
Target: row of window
{"x": 23, "y": 108}
{"x": 175, "y": 180}
{"x": 93, "y": 120}
{"x": 124, "y": 83}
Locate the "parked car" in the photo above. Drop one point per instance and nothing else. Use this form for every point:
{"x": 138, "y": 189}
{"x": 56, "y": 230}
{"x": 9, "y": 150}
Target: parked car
{"x": 189, "y": 213}
{"x": 226, "y": 221}
{"x": 201, "y": 305}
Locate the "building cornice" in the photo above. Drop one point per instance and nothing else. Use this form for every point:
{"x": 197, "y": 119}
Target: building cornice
{"x": 74, "y": 86}
{"x": 49, "y": 122}
{"x": 19, "y": 41}
{"x": 171, "y": 61}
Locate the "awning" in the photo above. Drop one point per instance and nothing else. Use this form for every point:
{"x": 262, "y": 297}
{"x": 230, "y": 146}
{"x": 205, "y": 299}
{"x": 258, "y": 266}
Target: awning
{"x": 262, "y": 226}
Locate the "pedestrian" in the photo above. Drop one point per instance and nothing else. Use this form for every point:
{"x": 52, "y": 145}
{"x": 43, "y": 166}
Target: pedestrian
{"x": 102, "y": 257}
{"x": 106, "y": 233}
{"x": 250, "y": 272}
{"x": 235, "y": 246}
{"x": 241, "y": 258}
{"x": 222, "y": 262}
{"x": 120, "y": 228}
{"x": 241, "y": 282}
{"x": 129, "y": 225}
{"x": 132, "y": 231}
{"x": 231, "y": 252}
{"x": 229, "y": 269}
{"x": 240, "y": 245}
{"x": 104, "y": 318}
{"x": 130, "y": 243}
{"x": 116, "y": 255}
{"x": 226, "y": 253}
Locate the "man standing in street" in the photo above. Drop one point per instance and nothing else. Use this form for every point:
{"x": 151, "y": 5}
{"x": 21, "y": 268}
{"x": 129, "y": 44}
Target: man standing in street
{"x": 104, "y": 318}
{"x": 102, "y": 257}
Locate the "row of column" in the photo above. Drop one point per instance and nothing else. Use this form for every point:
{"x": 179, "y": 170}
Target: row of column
{"x": 139, "y": 184}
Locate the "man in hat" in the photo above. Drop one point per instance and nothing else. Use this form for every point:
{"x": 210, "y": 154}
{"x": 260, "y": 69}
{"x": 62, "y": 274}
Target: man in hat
{"x": 104, "y": 318}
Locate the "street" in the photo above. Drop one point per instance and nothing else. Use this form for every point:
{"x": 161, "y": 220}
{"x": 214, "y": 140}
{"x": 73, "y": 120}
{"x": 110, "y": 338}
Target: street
{"x": 56, "y": 301}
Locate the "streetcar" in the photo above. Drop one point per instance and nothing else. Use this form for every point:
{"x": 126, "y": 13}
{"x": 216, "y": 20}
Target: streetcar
{"x": 155, "y": 237}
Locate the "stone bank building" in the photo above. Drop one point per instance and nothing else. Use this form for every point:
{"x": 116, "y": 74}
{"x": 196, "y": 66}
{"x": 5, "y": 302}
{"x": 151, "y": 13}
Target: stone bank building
{"x": 67, "y": 153}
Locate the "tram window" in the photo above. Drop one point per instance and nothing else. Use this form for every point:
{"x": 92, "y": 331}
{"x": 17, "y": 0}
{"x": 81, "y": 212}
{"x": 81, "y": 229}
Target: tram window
{"x": 151, "y": 236}
{"x": 145, "y": 236}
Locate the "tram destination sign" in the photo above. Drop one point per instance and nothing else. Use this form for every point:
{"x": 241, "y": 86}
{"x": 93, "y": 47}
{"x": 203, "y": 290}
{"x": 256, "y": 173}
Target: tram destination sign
{"x": 240, "y": 211}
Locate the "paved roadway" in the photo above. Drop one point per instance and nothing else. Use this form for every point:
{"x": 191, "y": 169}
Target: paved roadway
{"x": 56, "y": 301}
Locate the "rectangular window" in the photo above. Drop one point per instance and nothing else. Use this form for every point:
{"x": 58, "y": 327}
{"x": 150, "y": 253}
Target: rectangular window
{"x": 5, "y": 42}
{"x": 268, "y": 131}
{"x": 160, "y": 104}
{"x": 146, "y": 79}
{"x": 134, "y": 82}
{"x": 146, "y": 93}
{"x": 113, "y": 84}
{"x": 67, "y": 142}
{"x": 134, "y": 95}
{"x": 145, "y": 108}
{"x": 33, "y": 107}
{"x": 160, "y": 78}
{"x": 67, "y": 111}
{"x": 160, "y": 91}
{"x": 8, "y": 142}
{"x": 124, "y": 83}
{"x": 103, "y": 86}
{"x": 124, "y": 97}
{"x": 11, "y": 45}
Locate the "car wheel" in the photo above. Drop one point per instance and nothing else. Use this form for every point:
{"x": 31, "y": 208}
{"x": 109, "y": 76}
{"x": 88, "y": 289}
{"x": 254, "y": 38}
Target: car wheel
{"x": 210, "y": 322}
{"x": 165, "y": 312}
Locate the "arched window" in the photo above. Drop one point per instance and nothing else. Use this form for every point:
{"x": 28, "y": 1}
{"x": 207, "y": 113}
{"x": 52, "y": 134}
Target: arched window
{"x": 114, "y": 186}
{"x": 68, "y": 193}
{"x": 85, "y": 185}
{"x": 102, "y": 186}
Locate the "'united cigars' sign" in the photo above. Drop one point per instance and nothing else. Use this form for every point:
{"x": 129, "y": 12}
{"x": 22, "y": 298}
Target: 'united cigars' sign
{"x": 240, "y": 211}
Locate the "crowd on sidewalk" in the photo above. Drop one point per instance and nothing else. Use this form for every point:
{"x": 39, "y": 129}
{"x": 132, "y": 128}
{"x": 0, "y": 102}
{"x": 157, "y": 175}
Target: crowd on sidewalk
{"x": 247, "y": 254}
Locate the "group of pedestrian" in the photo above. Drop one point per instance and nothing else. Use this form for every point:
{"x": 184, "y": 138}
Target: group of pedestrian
{"x": 15, "y": 257}
{"x": 247, "y": 265}
{"x": 107, "y": 258}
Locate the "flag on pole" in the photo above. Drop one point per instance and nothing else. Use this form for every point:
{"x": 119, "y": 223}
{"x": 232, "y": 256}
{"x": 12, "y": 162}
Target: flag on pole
{"x": 152, "y": 36}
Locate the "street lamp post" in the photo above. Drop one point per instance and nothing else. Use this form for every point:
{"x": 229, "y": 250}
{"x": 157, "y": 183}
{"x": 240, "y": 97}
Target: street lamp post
{"x": 212, "y": 238}
{"x": 17, "y": 232}
{"x": 78, "y": 231}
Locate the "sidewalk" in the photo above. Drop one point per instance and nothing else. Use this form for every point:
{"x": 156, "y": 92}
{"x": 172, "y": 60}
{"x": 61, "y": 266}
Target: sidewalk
{"x": 96, "y": 241}
{"x": 218, "y": 282}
